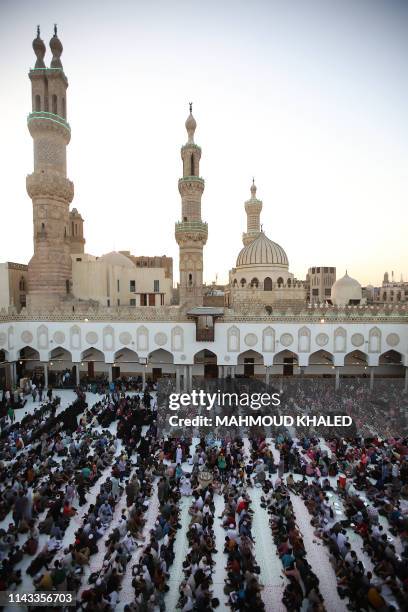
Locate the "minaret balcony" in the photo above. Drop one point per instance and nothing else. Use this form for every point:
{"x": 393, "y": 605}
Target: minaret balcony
{"x": 44, "y": 115}
{"x": 195, "y": 230}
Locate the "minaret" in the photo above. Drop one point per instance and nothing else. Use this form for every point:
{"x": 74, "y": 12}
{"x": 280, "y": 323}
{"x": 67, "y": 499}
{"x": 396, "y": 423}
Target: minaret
{"x": 253, "y": 209}
{"x": 49, "y": 270}
{"x": 191, "y": 233}
{"x": 77, "y": 232}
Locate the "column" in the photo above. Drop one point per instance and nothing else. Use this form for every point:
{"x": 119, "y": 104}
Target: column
{"x": 110, "y": 378}
{"x": 185, "y": 379}
{"x": 45, "y": 375}
{"x": 78, "y": 378}
{"x": 190, "y": 377}
{"x": 406, "y": 380}
{"x": 233, "y": 371}
{"x": 337, "y": 378}
{"x": 220, "y": 371}
{"x": 267, "y": 372}
{"x": 143, "y": 377}
{"x": 13, "y": 373}
{"x": 178, "y": 378}
{"x": 372, "y": 378}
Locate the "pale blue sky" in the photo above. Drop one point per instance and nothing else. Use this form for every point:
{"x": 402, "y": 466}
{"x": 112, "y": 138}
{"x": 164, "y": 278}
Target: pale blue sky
{"x": 310, "y": 97}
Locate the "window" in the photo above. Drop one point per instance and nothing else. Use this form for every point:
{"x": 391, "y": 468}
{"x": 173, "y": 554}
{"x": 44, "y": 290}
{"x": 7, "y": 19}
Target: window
{"x": 79, "y": 258}
{"x": 268, "y": 284}
{"x": 132, "y": 302}
{"x": 254, "y": 282}
{"x": 156, "y": 286}
{"x": 280, "y": 281}
{"x": 318, "y": 270}
{"x": 118, "y": 302}
{"x": 243, "y": 282}
{"x": 132, "y": 286}
{"x": 192, "y": 165}
{"x": 325, "y": 270}
{"x": 22, "y": 284}
{"x": 37, "y": 106}
{"x": 118, "y": 285}
{"x": 327, "y": 292}
{"x": 190, "y": 279}
{"x": 67, "y": 286}
{"x": 108, "y": 302}
{"x": 315, "y": 292}
{"x": 64, "y": 108}
{"x": 289, "y": 282}
{"x": 54, "y": 105}
{"x": 143, "y": 299}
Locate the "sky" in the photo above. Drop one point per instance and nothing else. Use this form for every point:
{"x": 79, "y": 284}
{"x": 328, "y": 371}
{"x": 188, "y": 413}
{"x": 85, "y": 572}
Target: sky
{"x": 310, "y": 98}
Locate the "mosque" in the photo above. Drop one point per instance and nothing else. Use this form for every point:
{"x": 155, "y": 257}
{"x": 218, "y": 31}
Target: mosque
{"x": 117, "y": 314}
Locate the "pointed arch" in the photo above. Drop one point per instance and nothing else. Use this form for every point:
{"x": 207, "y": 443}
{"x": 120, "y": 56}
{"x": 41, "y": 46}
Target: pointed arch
{"x": 321, "y": 357}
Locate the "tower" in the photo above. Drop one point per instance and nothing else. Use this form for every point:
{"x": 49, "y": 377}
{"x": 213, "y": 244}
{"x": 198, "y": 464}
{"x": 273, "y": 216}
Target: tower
{"x": 49, "y": 270}
{"x": 191, "y": 232}
{"x": 77, "y": 232}
{"x": 253, "y": 208}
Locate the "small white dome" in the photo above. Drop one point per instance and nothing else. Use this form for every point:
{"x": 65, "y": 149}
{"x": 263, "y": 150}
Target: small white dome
{"x": 346, "y": 289}
{"x": 117, "y": 259}
{"x": 262, "y": 252}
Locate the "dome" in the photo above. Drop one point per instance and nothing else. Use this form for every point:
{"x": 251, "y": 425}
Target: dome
{"x": 117, "y": 259}
{"x": 191, "y": 123}
{"x": 262, "y": 252}
{"x": 344, "y": 290}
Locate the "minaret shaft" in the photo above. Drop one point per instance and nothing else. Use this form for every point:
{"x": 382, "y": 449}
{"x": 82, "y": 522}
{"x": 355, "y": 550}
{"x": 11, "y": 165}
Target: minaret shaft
{"x": 191, "y": 233}
{"x": 49, "y": 270}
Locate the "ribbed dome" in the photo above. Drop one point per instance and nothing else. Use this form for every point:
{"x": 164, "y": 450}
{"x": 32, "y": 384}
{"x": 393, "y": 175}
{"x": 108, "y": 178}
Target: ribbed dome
{"x": 344, "y": 290}
{"x": 262, "y": 252}
{"x": 117, "y": 259}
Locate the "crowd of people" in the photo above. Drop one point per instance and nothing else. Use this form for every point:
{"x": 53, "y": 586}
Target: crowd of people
{"x": 91, "y": 500}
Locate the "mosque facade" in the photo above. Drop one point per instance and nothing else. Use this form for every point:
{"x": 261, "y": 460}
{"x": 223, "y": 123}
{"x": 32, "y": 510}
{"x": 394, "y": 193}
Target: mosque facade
{"x": 267, "y": 328}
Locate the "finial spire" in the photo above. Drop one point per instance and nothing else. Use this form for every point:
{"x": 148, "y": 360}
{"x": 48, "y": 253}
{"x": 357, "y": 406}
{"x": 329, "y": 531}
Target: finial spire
{"x": 56, "y": 49}
{"x": 253, "y": 188}
{"x": 39, "y": 50}
{"x": 191, "y": 125}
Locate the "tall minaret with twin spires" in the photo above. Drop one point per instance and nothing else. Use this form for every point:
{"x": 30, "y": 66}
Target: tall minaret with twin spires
{"x": 191, "y": 232}
{"x": 49, "y": 270}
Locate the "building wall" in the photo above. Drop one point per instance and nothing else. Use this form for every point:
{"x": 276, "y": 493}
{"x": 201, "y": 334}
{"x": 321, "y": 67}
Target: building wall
{"x": 177, "y": 340}
{"x": 93, "y": 279}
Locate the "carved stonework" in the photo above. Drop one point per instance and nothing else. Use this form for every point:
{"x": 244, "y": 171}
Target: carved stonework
{"x": 304, "y": 340}
{"x": 91, "y": 337}
{"x": 50, "y": 185}
{"x": 125, "y": 338}
{"x": 357, "y": 339}
{"x": 268, "y": 340}
{"x": 250, "y": 339}
{"x": 374, "y": 340}
{"x": 340, "y": 340}
{"x": 286, "y": 339}
{"x": 393, "y": 339}
{"x": 177, "y": 339}
{"x": 322, "y": 339}
{"x": 27, "y": 337}
{"x": 160, "y": 338}
{"x": 233, "y": 339}
{"x": 59, "y": 337}
{"x": 142, "y": 338}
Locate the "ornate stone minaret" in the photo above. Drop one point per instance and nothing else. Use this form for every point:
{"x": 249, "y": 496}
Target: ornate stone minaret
{"x": 253, "y": 209}
{"x": 191, "y": 233}
{"x": 49, "y": 270}
{"x": 77, "y": 232}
